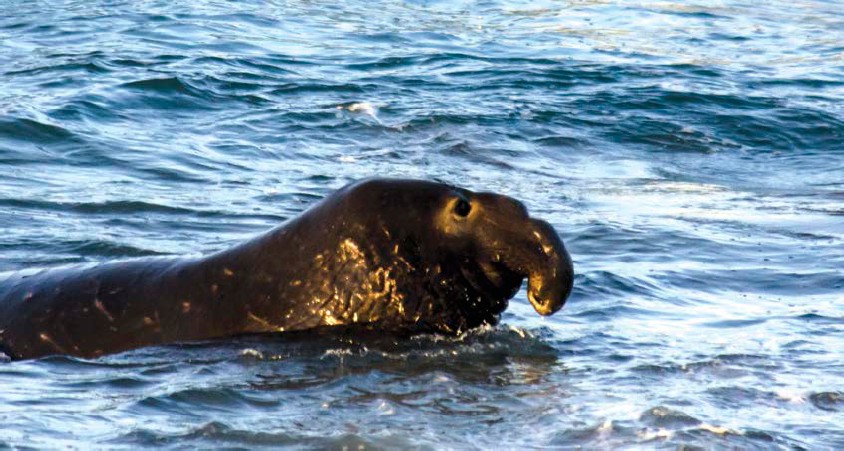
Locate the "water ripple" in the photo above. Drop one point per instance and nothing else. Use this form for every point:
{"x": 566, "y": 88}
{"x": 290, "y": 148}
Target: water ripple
{"x": 695, "y": 178}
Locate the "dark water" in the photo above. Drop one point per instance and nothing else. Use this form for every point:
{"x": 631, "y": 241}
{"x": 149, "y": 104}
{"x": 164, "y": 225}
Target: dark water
{"x": 691, "y": 155}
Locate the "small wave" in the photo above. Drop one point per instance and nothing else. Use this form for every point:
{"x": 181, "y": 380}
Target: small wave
{"x": 182, "y": 93}
{"x": 162, "y": 93}
{"x": 169, "y": 85}
{"x": 563, "y": 141}
{"x": 117, "y": 207}
{"x": 29, "y": 130}
{"x": 820, "y": 319}
{"x": 734, "y": 323}
{"x": 829, "y": 401}
{"x": 747, "y": 438}
{"x": 111, "y": 382}
{"x": 732, "y": 396}
{"x": 391, "y": 62}
{"x": 729, "y": 366}
{"x": 87, "y": 107}
{"x": 184, "y": 402}
{"x": 78, "y": 68}
{"x": 600, "y": 435}
{"x": 102, "y": 248}
{"x": 291, "y": 88}
{"x": 665, "y": 417}
{"x": 213, "y": 434}
{"x": 93, "y": 207}
{"x": 797, "y": 282}
{"x": 613, "y": 285}
{"x": 217, "y": 433}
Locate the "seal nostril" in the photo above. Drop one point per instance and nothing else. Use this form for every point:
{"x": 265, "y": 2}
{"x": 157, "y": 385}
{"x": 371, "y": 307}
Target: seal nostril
{"x": 462, "y": 208}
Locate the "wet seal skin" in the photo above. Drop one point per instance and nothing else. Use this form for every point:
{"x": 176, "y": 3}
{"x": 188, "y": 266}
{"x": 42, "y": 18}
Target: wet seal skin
{"x": 393, "y": 254}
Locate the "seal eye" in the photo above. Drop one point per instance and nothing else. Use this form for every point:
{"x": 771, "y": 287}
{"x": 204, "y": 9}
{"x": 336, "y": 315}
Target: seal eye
{"x": 462, "y": 208}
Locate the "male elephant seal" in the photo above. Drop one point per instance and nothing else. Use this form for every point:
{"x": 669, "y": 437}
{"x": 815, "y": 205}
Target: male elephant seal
{"x": 392, "y": 254}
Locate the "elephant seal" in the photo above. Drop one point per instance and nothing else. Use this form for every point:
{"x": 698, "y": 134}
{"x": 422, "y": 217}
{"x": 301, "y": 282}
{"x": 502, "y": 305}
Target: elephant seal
{"x": 390, "y": 254}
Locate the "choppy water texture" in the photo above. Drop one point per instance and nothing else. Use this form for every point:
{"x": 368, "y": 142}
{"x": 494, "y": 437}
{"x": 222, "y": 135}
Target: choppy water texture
{"x": 691, "y": 155}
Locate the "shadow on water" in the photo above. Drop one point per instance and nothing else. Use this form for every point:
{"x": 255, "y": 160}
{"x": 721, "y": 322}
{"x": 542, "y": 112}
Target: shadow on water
{"x": 300, "y": 360}
{"x": 477, "y": 357}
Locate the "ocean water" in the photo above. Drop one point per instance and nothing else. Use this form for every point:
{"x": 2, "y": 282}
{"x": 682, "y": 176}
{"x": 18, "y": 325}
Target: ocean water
{"x": 690, "y": 154}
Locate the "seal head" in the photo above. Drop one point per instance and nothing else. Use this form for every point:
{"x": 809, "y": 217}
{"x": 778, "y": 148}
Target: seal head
{"x": 468, "y": 252}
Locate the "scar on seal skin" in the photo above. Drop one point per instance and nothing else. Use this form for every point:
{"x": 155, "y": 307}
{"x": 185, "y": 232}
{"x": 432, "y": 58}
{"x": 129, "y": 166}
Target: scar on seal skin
{"x": 390, "y": 254}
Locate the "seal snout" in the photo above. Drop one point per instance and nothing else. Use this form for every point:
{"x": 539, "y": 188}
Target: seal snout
{"x": 550, "y": 272}
{"x": 526, "y": 248}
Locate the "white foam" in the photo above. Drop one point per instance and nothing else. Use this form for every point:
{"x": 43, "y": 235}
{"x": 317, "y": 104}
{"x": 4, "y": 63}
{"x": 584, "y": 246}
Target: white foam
{"x": 791, "y": 396}
{"x": 385, "y": 409}
{"x": 249, "y": 352}
{"x": 720, "y": 430}
{"x": 363, "y": 108}
{"x": 654, "y": 434}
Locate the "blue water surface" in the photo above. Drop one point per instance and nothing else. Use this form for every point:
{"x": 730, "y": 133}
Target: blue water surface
{"x": 691, "y": 155}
